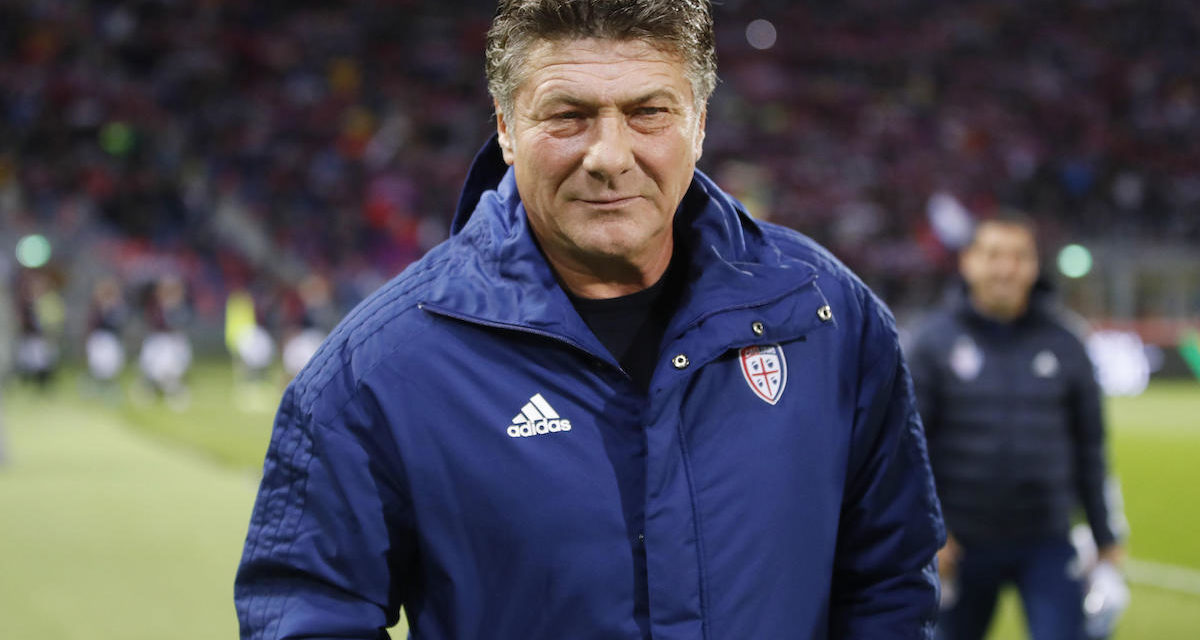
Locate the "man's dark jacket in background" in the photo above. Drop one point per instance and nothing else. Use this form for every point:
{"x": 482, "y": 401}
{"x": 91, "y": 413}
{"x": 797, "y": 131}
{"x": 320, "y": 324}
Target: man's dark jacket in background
{"x": 1013, "y": 419}
{"x": 464, "y": 446}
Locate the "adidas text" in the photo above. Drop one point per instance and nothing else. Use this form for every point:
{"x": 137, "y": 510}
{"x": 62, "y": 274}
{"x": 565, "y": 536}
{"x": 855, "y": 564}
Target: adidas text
{"x": 538, "y": 428}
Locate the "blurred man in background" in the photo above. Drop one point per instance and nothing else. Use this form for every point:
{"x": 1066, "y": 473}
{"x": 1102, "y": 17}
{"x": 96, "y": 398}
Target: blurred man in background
{"x": 574, "y": 419}
{"x": 166, "y": 354}
{"x": 41, "y": 317}
{"x": 1013, "y": 418}
{"x": 104, "y": 349}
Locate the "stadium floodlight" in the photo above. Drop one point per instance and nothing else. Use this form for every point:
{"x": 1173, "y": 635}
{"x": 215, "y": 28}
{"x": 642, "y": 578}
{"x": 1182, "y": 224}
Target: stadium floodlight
{"x": 117, "y": 138}
{"x": 761, "y": 34}
{"x": 950, "y": 220}
{"x": 33, "y": 251}
{"x": 1075, "y": 261}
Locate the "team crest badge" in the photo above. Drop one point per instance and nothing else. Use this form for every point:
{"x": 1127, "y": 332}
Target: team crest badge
{"x": 966, "y": 359}
{"x": 1045, "y": 364}
{"x": 765, "y": 370}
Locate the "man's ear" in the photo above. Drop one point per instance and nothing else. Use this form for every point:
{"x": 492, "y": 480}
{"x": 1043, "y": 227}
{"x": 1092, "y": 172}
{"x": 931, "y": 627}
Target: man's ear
{"x": 504, "y": 135}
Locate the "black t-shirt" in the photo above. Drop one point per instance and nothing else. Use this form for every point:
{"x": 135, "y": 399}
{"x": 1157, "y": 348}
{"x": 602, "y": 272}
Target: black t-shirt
{"x": 631, "y": 327}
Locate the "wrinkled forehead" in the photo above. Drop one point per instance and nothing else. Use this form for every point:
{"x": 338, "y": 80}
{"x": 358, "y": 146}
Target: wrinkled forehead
{"x": 603, "y": 63}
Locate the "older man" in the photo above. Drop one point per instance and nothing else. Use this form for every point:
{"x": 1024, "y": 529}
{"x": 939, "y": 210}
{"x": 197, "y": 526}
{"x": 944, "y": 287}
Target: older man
{"x": 611, "y": 405}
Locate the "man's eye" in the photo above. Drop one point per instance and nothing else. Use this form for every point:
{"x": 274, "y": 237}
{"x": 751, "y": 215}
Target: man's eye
{"x": 568, "y": 115}
{"x": 650, "y": 111}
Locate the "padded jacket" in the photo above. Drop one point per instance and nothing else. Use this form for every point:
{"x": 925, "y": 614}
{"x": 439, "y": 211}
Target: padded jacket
{"x": 462, "y": 446}
{"x": 1013, "y": 416}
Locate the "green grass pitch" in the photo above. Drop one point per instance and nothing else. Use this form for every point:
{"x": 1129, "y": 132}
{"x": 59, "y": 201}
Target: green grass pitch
{"x": 125, "y": 520}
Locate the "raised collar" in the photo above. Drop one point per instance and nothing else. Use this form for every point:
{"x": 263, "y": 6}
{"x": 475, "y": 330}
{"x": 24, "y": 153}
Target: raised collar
{"x": 497, "y": 275}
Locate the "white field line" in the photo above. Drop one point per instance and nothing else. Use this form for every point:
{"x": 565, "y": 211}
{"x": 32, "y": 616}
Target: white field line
{"x": 1163, "y": 576}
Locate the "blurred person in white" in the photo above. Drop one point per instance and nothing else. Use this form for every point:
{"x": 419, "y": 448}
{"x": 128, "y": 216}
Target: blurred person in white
{"x": 166, "y": 354}
{"x": 40, "y": 316}
{"x": 318, "y": 316}
{"x": 1016, "y": 438}
{"x": 104, "y": 347}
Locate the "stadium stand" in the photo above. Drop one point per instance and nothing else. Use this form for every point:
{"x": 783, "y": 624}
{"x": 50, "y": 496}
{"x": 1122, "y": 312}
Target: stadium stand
{"x": 249, "y": 145}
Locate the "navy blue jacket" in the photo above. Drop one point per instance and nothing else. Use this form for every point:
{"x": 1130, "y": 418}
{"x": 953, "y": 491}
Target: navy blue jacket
{"x": 463, "y": 446}
{"x": 1012, "y": 413}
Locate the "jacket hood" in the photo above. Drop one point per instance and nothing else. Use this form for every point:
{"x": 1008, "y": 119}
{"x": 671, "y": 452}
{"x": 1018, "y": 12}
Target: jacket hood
{"x": 487, "y": 171}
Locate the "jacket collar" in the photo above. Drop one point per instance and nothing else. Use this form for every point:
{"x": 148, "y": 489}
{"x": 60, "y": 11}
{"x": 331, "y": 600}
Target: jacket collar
{"x": 498, "y": 275}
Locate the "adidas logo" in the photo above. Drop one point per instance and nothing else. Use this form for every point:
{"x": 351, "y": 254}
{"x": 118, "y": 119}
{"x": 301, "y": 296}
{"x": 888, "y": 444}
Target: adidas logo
{"x": 537, "y": 418}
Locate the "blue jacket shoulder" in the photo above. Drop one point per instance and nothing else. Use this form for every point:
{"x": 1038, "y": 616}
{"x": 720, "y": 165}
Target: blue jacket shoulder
{"x": 373, "y": 331}
{"x": 830, "y": 269}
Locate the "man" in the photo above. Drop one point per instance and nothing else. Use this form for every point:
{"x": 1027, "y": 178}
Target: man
{"x": 1012, "y": 413}
{"x": 611, "y": 405}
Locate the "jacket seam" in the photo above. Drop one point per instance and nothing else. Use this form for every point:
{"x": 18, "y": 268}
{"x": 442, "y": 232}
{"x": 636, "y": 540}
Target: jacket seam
{"x": 351, "y": 342}
{"x": 302, "y": 496}
{"x": 700, "y": 552}
{"x": 286, "y": 530}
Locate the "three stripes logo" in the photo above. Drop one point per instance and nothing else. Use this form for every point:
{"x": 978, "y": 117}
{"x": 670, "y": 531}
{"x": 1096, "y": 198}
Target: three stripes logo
{"x": 537, "y": 417}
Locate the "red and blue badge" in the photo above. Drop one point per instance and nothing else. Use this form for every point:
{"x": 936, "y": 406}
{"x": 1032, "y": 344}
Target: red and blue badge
{"x": 765, "y": 370}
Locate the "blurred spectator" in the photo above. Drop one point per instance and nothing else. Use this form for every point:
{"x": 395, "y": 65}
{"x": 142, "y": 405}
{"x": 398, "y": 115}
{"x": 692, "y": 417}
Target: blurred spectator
{"x": 166, "y": 354}
{"x": 288, "y": 138}
{"x": 318, "y": 315}
{"x": 41, "y": 315}
{"x": 107, "y": 316}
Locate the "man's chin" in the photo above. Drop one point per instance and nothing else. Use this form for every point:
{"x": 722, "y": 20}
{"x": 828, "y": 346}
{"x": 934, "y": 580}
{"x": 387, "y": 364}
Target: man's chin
{"x": 614, "y": 238}
{"x": 608, "y": 252}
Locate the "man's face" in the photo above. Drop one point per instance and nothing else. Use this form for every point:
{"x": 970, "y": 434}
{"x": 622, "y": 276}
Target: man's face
{"x": 603, "y": 138}
{"x": 1000, "y": 268}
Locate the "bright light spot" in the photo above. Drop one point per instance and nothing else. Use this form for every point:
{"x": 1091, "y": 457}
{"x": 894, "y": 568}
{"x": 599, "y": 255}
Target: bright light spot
{"x": 33, "y": 251}
{"x": 761, "y": 34}
{"x": 1122, "y": 368}
{"x": 117, "y": 138}
{"x": 950, "y": 220}
{"x": 1075, "y": 261}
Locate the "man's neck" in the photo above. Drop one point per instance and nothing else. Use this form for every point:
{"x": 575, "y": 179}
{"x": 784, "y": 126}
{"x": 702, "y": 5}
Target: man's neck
{"x": 1001, "y": 315}
{"x": 611, "y": 278}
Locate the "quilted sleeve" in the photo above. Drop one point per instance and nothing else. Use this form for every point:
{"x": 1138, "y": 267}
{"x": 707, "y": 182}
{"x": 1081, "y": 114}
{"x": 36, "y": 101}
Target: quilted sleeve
{"x": 330, "y": 539}
{"x": 885, "y": 582}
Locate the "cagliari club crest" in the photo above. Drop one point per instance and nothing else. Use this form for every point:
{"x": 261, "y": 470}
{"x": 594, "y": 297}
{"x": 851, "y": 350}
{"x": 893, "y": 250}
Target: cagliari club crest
{"x": 765, "y": 370}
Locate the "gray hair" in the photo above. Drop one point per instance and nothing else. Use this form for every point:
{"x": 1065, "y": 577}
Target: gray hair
{"x": 683, "y": 27}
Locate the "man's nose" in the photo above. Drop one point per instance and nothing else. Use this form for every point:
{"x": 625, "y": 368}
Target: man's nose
{"x": 1008, "y": 266}
{"x": 610, "y": 152}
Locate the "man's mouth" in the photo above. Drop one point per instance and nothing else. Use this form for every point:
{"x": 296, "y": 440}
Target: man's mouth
{"x": 609, "y": 202}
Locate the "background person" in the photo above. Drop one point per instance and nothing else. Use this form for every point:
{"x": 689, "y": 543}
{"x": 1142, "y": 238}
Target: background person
{"x": 108, "y": 314}
{"x": 166, "y": 353}
{"x": 40, "y": 314}
{"x": 1013, "y": 417}
{"x": 611, "y": 405}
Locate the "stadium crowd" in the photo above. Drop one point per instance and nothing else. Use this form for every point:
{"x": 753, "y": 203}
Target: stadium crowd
{"x": 257, "y": 146}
